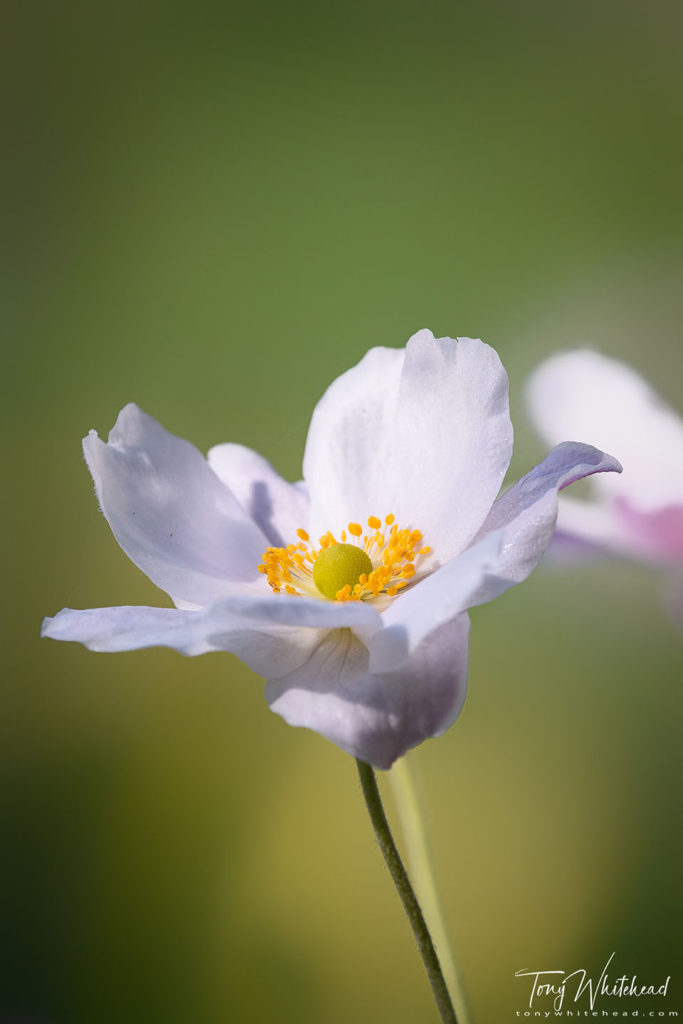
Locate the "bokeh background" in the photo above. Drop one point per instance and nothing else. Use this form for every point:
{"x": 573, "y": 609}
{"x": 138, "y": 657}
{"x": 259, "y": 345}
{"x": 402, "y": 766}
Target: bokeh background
{"x": 212, "y": 209}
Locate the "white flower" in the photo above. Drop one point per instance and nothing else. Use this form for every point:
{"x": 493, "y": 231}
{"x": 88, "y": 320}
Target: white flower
{"x": 413, "y": 440}
{"x": 639, "y": 514}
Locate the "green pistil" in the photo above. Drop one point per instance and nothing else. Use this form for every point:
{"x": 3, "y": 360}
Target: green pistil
{"x": 339, "y": 566}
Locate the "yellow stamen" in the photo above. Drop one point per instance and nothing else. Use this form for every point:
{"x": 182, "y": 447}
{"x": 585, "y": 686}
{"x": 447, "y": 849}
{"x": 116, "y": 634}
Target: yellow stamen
{"x": 375, "y": 564}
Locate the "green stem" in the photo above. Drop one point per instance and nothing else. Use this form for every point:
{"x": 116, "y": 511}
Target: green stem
{"x": 404, "y": 789}
{"x": 405, "y": 892}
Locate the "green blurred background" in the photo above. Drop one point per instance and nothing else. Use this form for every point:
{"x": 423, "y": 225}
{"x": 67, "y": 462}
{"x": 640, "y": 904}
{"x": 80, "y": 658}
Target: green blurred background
{"x": 212, "y": 209}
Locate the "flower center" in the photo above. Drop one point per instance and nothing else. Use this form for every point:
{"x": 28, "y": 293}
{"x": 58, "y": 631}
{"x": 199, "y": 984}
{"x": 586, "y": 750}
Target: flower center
{"x": 340, "y": 566}
{"x": 373, "y": 562}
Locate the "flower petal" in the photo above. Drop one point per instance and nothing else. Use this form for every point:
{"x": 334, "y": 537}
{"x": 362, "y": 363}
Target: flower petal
{"x": 425, "y": 435}
{"x": 377, "y": 717}
{"x": 655, "y": 536}
{"x": 591, "y": 522}
{"x": 434, "y": 601}
{"x": 453, "y": 439}
{"x": 509, "y": 545}
{"x": 277, "y": 507}
{"x": 169, "y": 511}
{"x": 525, "y": 516}
{"x": 584, "y": 532}
{"x": 350, "y": 441}
{"x": 272, "y": 635}
{"x": 589, "y": 529}
{"x": 587, "y": 396}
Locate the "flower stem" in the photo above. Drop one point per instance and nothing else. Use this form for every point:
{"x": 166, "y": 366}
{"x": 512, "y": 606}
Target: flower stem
{"x": 405, "y": 892}
{"x": 405, "y": 792}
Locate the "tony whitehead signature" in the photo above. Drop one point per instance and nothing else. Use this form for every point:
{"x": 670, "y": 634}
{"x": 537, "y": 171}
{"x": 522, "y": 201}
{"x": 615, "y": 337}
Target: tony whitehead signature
{"x": 554, "y": 984}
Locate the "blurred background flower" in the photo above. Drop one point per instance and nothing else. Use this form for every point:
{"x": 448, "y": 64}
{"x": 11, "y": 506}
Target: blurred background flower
{"x": 213, "y": 210}
{"x": 584, "y": 394}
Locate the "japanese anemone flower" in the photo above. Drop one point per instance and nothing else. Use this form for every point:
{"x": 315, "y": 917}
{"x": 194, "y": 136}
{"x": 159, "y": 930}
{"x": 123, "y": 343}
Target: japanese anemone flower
{"x": 640, "y": 514}
{"x": 348, "y": 591}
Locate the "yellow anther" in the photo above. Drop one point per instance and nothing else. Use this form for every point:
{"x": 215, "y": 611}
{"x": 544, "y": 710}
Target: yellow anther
{"x": 389, "y": 519}
{"x": 424, "y": 551}
{"x": 374, "y": 523}
{"x": 355, "y": 529}
{"x": 303, "y": 535}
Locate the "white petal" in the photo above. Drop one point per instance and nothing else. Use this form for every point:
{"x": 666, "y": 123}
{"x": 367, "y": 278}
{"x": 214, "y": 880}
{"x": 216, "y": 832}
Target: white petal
{"x": 377, "y": 717}
{"x": 524, "y": 517}
{"x": 272, "y": 635}
{"x": 169, "y": 511}
{"x": 453, "y": 439}
{"x": 588, "y": 397}
{"x": 130, "y": 628}
{"x": 425, "y": 435}
{"x": 277, "y": 507}
{"x": 350, "y": 440}
{"x": 434, "y": 601}
{"x": 509, "y": 545}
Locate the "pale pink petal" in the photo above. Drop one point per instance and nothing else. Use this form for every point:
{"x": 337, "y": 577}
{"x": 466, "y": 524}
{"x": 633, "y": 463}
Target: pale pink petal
{"x": 169, "y": 511}
{"x": 377, "y": 717}
{"x": 656, "y": 535}
{"x": 589, "y": 397}
{"x": 619, "y": 528}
